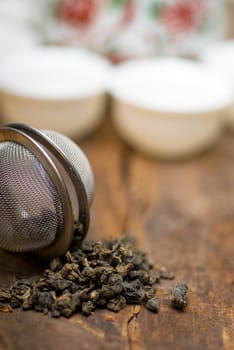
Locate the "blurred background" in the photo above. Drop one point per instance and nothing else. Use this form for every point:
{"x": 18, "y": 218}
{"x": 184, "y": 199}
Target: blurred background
{"x": 98, "y": 37}
{"x": 119, "y": 29}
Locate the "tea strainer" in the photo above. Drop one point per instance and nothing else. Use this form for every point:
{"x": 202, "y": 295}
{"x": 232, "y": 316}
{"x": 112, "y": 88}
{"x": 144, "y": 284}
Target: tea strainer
{"x": 46, "y": 190}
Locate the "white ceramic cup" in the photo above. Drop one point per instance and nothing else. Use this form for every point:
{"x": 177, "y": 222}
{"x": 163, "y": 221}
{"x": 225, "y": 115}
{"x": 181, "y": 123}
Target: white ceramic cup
{"x": 54, "y": 88}
{"x": 168, "y": 107}
{"x": 220, "y": 57}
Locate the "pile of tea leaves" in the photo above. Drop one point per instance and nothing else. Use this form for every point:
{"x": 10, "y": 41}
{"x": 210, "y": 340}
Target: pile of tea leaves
{"x": 89, "y": 276}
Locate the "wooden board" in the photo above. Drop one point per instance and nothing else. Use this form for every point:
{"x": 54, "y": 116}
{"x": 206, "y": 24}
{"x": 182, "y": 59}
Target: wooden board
{"x": 182, "y": 215}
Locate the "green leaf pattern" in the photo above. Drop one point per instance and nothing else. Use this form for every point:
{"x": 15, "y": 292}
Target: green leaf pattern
{"x": 118, "y": 3}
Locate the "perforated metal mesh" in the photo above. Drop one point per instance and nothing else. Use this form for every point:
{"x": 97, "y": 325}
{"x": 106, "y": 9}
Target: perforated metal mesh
{"x": 30, "y": 206}
{"x": 77, "y": 158}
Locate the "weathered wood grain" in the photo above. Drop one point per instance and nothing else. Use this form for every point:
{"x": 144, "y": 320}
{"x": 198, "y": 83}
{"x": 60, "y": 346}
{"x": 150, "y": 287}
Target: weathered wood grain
{"x": 182, "y": 215}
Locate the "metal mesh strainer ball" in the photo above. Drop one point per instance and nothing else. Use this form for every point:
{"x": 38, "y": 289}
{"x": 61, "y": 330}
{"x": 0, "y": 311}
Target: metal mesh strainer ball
{"x": 46, "y": 190}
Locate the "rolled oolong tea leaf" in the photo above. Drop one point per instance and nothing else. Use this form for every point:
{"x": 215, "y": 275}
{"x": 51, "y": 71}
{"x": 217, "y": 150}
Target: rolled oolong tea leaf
{"x": 179, "y": 296}
{"x": 5, "y": 295}
{"x": 91, "y": 275}
{"x": 133, "y": 294}
{"x": 87, "y": 308}
{"x": 153, "y": 304}
{"x": 116, "y": 304}
{"x": 5, "y": 308}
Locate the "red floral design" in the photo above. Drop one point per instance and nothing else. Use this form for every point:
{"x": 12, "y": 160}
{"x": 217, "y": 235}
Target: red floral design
{"x": 184, "y": 15}
{"x": 129, "y": 11}
{"x": 77, "y": 12}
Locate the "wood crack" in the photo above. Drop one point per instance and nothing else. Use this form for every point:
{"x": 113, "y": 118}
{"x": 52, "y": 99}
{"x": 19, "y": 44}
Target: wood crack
{"x": 132, "y": 328}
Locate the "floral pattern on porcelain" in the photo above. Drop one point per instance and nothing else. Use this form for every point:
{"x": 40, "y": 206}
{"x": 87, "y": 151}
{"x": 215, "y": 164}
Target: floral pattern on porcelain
{"x": 124, "y": 29}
